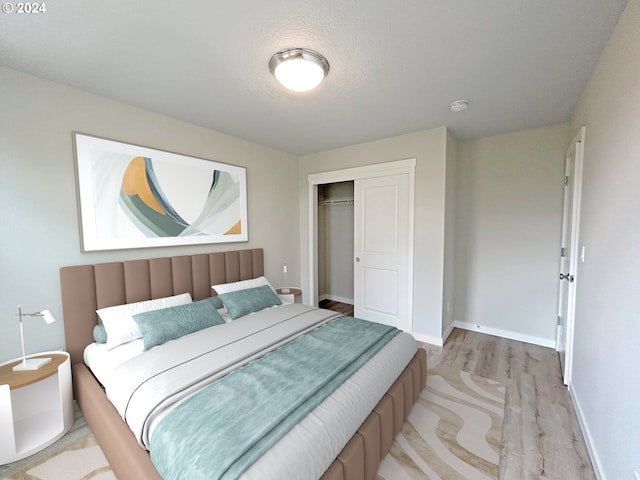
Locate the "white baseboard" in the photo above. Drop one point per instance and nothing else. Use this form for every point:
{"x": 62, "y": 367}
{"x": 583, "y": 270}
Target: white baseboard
{"x": 438, "y": 342}
{"x": 421, "y": 337}
{"x": 447, "y": 332}
{"x": 545, "y": 342}
{"x": 588, "y": 439}
{"x": 335, "y": 298}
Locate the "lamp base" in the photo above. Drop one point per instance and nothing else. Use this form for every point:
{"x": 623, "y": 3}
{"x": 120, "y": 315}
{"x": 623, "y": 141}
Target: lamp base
{"x": 31, "y": 364}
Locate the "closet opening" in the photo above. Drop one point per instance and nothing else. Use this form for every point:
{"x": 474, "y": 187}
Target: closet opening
{"x": 336, "y": 246}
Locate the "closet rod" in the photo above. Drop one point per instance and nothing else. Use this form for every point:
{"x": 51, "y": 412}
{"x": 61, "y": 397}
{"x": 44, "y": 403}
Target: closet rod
{"x": 335, "y": 202}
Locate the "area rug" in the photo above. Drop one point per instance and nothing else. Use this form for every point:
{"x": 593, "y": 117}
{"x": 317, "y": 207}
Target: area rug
{"x": 454, "y": 432}
{"x": 82, "y": 460}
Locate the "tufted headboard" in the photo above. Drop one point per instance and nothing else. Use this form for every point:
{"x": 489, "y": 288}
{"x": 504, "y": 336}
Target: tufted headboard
{"x": 86, "y": 288}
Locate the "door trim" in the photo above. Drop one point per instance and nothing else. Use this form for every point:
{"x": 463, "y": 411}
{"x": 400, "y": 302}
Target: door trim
{"x": 578, "y": 144}
{"x": 407, "y": 166}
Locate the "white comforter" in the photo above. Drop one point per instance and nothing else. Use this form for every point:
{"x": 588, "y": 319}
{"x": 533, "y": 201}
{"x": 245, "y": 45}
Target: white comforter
{"x": 145, "y": 388}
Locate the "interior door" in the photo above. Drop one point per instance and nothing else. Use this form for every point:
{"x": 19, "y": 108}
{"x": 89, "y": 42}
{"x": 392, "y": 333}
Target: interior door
{"x": 381, "y": 250}
{"x": 568, "y": 254}
{"x": 565, "y": 251}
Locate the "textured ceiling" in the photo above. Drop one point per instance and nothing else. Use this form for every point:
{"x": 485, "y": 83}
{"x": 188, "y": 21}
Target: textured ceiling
{"x": 395, "y": 65}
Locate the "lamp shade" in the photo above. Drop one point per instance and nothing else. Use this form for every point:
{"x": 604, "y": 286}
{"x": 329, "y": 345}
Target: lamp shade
{"x": 299, "y": 69}
{"x": 48, "y": 316}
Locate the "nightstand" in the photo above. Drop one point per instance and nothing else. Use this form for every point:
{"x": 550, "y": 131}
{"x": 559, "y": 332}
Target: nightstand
{"x": 294, "y": 295}
{"x": 36, "y": 406}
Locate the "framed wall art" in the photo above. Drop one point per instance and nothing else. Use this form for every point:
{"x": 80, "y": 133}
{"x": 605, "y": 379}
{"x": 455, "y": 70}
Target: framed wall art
{"x": 136, "y": 197}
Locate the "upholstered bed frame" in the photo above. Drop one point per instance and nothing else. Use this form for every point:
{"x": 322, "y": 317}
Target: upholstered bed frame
{"x": 86, "y": 288}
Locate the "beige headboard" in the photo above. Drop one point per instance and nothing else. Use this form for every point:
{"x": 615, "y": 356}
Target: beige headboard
{"x": 86, "y": 288}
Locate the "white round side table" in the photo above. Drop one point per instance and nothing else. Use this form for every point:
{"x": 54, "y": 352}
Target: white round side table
{"x": 36, "y": 406}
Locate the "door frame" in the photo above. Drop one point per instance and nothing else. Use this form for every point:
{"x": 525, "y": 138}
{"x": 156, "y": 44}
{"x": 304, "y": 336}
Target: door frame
{"x": 578, "y": 144}
{"x": 397, "y": 167}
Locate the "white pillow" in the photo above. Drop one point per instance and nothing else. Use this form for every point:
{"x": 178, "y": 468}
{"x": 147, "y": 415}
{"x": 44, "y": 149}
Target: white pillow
{"x": 242, "y": 285}
{"x": 122, "y": 328}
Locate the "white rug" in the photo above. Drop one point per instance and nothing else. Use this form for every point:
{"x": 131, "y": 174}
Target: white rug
{"x": 82, "y": 460}
{"x": 454, "y": 432}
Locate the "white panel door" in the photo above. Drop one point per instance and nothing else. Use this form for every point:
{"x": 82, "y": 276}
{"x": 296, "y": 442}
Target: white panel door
{"x": 566, "y": 278}
{"x": 569, "y": 254}
{"x": 381, "y": 250}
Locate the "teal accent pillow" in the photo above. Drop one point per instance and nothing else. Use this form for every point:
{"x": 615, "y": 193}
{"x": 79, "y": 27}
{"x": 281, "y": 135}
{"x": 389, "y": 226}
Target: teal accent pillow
{"x": 244, "y": 302}
{"x": 217, "y": 302}
{"x": 99, "y": 334}
{"x": 160, "y": 326}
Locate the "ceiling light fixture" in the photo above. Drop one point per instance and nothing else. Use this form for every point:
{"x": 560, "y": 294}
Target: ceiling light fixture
{"x": 299, "y": 69}
{"x": 459, "y": 105}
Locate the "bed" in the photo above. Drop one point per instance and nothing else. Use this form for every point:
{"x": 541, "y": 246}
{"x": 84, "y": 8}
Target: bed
{"x": 361, "y": 446}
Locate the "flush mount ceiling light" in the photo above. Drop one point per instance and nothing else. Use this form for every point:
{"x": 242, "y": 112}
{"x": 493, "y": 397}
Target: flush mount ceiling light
{"x": 299, "y": 69}
{"x": 459, "y": 105}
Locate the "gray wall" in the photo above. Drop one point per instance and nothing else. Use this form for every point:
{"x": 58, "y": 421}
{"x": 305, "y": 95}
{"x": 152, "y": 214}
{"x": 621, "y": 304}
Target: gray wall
{"x": 606, "y": 385}
{"x": 39, "y": 228}
{"x": 508, "y": 225}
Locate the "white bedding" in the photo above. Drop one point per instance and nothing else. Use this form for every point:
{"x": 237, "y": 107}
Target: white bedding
{"x": 307, "y": 450}
{"x": 325, "y": 430}
{"x": 103, "y": 362}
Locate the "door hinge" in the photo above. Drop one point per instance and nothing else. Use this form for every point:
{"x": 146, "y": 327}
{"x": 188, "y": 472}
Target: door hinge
{"x": 562, "y": 252}
{"x": 559, "y": 320}
{"x": 566, "y": 181}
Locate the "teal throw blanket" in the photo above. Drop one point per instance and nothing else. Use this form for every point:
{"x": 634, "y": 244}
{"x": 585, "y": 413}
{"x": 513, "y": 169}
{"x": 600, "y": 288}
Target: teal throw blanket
{"x": 219, "y": 432}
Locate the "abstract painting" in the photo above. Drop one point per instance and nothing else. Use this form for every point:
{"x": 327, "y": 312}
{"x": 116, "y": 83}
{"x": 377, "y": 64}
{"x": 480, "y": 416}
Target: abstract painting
{"x": 135, "y": 197}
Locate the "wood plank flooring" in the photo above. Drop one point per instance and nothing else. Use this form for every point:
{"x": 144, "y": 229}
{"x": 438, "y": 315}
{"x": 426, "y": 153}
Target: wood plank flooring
{"x": 344, "y": 308}
{"x": 541, "y": 438}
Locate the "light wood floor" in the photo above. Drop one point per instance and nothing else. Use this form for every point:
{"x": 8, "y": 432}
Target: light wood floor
{"x": 541, "y": 438}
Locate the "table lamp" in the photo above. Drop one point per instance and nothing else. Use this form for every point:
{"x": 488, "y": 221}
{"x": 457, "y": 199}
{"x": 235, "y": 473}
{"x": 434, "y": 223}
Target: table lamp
{"x": 32, "y": 363}
{"x": 284, "y": 288}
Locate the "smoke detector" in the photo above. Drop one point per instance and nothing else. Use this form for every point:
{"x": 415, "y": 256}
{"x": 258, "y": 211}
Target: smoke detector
{"x": 459, "y": 105}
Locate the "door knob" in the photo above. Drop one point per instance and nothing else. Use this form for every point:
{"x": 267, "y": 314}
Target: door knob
{"x": 357, "y": 259}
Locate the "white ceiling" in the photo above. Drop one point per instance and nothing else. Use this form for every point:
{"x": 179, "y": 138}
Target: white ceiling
{"x": 395, "y": 64}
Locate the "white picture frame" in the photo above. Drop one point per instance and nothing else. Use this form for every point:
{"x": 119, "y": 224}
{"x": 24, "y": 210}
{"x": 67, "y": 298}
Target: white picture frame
{"x": 131, "y": 196}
